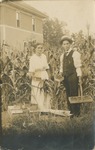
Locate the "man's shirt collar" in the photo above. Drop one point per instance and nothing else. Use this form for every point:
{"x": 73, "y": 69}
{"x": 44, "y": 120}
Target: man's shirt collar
{"x": 68, "y": 51}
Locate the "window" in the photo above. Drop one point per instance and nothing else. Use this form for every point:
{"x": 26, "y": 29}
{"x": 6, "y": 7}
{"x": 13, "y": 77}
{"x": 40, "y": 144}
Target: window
{"x": 33, "y": 24}
{"x": 18, "y": 19}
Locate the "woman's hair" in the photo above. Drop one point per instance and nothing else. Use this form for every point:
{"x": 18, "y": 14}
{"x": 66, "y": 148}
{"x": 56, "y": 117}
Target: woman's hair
{"x": 35, "y": 46}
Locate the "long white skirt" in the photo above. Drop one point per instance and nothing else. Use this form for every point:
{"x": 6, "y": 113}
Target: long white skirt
{"x": 38, "y": 96}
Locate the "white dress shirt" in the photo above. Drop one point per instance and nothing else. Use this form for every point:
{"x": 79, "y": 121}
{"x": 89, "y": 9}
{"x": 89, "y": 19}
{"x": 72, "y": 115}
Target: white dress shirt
{"x": 77, "y": 62}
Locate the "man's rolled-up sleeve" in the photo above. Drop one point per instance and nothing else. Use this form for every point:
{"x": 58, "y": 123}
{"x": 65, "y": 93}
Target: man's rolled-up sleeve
{"x": 61, "y": 63}
{"x": 77, "y": 62}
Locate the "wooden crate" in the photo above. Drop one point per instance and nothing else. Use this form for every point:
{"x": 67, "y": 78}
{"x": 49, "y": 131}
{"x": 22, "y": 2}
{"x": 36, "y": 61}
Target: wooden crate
{"x": 80, "y": 99}
{"x": 63, "y": 113}
{"x": 14, "y": 110}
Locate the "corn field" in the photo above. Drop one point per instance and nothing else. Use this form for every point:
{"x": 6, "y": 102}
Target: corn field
{"x": 16, "y": 86}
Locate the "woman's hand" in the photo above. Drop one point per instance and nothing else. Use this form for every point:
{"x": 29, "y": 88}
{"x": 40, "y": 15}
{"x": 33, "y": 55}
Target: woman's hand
{"x": 44, "y": 68}
{"x": 37, "y": 70}
{"x": 30, "y": 74}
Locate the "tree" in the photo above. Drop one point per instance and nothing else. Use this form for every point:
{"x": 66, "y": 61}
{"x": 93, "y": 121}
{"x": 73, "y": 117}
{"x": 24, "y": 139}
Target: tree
{"x": 53, "y": 30}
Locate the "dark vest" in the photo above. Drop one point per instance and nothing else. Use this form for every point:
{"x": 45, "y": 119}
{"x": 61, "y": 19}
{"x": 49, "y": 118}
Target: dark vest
{"x": 68, "y": 64}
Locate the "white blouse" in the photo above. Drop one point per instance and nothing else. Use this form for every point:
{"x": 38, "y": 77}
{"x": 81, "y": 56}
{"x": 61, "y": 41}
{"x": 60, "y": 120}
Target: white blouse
{"x": 77, "y": 62}
{"x": 38, "y": 65}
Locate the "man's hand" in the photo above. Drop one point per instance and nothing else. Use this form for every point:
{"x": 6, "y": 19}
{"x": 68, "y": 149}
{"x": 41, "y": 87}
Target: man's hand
{"x": 59, "y": 77}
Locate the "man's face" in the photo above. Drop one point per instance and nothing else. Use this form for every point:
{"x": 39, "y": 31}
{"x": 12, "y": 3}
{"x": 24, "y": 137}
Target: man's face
{"x": 66, "y": 45}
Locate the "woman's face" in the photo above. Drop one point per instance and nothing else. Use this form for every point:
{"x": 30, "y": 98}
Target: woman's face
{"x": 39, "y": 50}
{"x": 66, "y": 45}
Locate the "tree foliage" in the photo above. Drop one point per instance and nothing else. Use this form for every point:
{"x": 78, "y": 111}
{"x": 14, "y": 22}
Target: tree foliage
{"x": 53, "y": 30}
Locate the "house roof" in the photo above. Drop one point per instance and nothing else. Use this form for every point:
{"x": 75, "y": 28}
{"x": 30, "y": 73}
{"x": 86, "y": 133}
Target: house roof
{"x": 22, "y": 5}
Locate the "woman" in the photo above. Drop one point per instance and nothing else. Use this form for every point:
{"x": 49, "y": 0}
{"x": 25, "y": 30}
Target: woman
{"x": 37, "y": 70}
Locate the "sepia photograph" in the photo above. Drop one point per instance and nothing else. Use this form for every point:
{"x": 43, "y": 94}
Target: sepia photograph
{"x": 47, "y": 74}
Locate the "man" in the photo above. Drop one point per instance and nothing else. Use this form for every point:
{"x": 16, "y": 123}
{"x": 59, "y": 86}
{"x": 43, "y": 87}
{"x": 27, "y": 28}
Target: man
{"x": 70, "y": 68}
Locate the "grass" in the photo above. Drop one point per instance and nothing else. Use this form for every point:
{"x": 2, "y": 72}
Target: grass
{"x": 49, "y": 132}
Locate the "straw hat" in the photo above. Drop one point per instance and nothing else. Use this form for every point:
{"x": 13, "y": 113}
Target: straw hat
{"x": 66, "y": 38}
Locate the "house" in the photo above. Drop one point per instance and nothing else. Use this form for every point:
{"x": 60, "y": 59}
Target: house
{"x": 20, "y": 23}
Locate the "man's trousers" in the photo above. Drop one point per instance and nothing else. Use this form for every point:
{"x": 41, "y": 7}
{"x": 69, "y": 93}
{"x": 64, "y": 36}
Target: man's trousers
{"x": 71, "y": 85}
